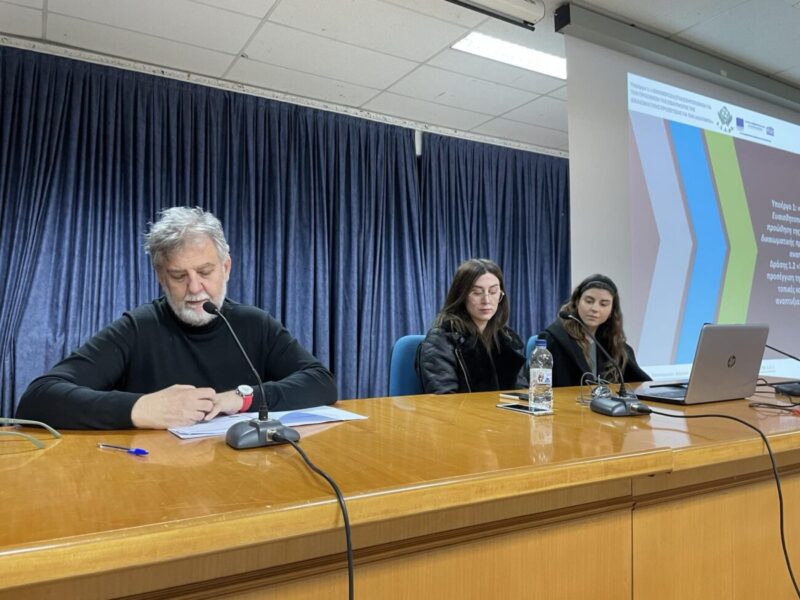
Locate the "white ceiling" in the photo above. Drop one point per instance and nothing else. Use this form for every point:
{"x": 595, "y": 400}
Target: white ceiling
{"x": 393, "y": 57}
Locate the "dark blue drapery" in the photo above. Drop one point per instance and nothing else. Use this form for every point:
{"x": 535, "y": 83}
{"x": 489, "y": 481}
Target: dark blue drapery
{"x": 322, "y": 211}
{"x": 480, "y": 200}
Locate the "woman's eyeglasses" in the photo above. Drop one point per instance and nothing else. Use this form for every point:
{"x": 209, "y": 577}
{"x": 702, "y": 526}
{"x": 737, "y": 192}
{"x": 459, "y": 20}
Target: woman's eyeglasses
{"x": 494, "y": 294}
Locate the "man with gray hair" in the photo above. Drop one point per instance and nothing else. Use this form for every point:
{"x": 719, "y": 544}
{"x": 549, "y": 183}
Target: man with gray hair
{"x": 169, "y": 363}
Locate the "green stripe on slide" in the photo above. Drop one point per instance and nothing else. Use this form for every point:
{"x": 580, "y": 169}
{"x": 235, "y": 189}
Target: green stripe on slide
{"x": 741, "y": 266}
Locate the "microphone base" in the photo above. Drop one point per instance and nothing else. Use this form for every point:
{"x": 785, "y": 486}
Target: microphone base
{"x": 790, "y": 388}
{"x": 615, "y": 406}
{"x": 258, "y": 433}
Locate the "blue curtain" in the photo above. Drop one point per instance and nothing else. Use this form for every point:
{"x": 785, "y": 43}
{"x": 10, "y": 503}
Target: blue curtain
{"x": 512, "y": 206}
{"x": 321, "y": 211}
{"x": 328, "y": 227}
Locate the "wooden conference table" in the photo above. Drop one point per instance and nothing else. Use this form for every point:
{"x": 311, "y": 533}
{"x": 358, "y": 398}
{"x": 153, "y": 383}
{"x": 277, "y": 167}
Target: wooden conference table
{"x": 449, "y": 497}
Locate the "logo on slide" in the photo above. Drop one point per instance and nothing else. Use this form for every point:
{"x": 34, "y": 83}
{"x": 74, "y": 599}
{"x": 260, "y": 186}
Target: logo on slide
{"x": 725, "y": 118}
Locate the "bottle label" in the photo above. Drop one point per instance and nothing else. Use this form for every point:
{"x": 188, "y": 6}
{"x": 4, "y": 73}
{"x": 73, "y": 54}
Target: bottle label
{"x": 541, "y": 376}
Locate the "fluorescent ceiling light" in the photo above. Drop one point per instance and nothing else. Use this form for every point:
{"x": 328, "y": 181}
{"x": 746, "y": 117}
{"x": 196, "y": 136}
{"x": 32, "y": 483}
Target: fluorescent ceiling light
{"x": 513, "y": 54}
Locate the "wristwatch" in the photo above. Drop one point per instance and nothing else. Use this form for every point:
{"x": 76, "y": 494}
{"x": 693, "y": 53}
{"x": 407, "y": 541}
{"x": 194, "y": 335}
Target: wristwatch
{"x": 246, "y": 392}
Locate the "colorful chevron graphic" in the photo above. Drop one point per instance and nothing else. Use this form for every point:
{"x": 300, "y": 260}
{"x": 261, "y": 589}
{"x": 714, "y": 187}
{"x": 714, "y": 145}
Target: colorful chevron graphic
{"x": 706, "y": 247}
{"x": 715, "y": 210}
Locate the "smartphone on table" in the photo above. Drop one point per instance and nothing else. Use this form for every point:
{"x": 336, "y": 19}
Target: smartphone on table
{"x": 523, "y": 408}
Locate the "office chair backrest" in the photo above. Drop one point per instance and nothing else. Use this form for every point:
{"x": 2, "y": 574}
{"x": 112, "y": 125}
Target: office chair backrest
{"x": 529, "y": 348}
{"x": 403, "y": 379}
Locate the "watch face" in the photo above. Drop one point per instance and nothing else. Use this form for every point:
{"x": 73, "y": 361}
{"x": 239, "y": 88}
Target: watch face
{"x": 244, "y": 390}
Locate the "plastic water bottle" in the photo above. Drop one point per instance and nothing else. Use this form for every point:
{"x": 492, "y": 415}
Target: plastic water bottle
{"x": 541, "y": 391}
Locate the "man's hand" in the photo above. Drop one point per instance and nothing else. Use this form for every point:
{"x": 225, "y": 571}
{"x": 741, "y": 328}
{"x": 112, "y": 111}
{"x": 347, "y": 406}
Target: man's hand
{"x": 175, "y": 406}
{"x": 226, "y": 403}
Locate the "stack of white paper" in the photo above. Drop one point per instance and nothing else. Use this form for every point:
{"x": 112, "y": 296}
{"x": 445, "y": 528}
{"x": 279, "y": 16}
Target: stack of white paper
{"x": 289, "y": 418}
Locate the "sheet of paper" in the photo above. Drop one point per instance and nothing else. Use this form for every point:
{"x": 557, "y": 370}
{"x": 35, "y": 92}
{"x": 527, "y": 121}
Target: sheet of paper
{"x": 290, "y": 418}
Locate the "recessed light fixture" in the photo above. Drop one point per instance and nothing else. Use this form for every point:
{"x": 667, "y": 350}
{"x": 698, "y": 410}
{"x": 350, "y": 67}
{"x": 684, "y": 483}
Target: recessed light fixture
{"x": 513, "y": 54}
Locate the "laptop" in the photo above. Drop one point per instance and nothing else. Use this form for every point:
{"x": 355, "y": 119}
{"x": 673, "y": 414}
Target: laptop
{"x": 725, "y": 367}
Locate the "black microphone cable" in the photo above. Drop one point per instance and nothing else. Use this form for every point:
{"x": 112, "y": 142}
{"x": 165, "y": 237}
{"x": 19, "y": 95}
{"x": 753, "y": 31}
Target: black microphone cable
{"x": 792, "y": 356}
{"x": 623, "y": 390}
{"x": 278, "y": 436}
{"x": 787, "y": 388}
{"x": 793, "y": 408}
{"x": 613, "y": 406}
{"x": 646, "y": 410}
{"x": 601, "y": 387}
{"x": 342, "y": 505}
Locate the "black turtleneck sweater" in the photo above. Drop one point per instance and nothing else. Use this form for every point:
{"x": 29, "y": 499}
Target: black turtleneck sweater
{"x": 149, "y": 349}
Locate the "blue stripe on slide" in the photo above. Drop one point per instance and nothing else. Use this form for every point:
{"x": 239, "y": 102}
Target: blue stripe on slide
{"x": 711, "y": 246}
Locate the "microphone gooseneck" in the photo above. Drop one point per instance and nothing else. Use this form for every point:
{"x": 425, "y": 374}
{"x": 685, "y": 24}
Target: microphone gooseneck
{"x": 779, "y": 351}
{"x": 623, "y": 391}
{"x": 263, "y": 410}
{"x": 262, "y": 431}
{"x": 615, "y": 406}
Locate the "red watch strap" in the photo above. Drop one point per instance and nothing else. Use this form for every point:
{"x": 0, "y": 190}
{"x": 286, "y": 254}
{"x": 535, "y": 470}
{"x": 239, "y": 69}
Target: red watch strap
{"x": 246, "y": 402}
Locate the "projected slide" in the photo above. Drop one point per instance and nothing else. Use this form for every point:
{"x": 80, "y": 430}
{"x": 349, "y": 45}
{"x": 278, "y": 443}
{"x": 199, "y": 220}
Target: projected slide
{"x": 715, "y": 208}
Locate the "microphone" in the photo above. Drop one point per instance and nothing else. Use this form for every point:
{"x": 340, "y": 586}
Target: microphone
{"x": 613, "y": 406}
{"x": 790, "y": 388}
{"x": 262, "y": 431}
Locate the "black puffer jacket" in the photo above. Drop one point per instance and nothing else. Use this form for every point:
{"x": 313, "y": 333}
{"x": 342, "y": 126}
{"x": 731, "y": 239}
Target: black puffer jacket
{"x": 569, "y": 362}
{"x": 449, "y": 362}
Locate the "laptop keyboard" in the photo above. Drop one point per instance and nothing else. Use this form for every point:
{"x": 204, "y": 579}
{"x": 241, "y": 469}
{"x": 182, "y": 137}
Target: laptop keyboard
{"x": 674, "y": 394}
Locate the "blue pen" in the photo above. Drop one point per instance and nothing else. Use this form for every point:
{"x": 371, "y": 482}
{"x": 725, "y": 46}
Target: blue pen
{"x": 136, "y": 451}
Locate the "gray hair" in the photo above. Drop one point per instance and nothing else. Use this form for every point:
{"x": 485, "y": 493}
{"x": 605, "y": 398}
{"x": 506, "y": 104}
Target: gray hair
{"x": 178, "y": 225}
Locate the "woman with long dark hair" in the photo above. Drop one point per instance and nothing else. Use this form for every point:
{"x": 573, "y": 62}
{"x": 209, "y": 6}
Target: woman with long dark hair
{"x": 470, "y": 348}
{"x": 595, "y": 301}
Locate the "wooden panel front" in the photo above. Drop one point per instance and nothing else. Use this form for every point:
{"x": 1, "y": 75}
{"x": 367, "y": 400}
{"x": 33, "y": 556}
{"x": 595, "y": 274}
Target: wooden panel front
{"x": 717, "y": 540}
{"x": 436, "y": 487}
{"x": 551, "y": 562}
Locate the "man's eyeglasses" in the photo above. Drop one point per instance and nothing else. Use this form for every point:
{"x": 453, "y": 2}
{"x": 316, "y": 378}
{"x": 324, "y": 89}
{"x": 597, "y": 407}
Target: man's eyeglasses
{"x": 494, "y": 294}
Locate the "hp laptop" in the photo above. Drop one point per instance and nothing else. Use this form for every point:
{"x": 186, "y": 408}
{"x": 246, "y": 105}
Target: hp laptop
{"x": 725, "y": 367}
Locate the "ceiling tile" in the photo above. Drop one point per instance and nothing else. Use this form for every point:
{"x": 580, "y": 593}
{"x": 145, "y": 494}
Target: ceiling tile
{"x": 370, "y": 24}
{"x": 520, "y": 132}
{"x": 19, "y": 20}
{"x": 254, "y": 8}
{"x": 136, "y": 46}
{"x": 560, "y": 93}
{"x": 424, "y": 112}
{"x": 300, "y": 84}
{"x": 444, "y": 11}
{"x": 364, "y": 46}
{"x": 29, "y": 3}
{"x": 491, "y": 70}
{"x": 769, "y": 43}
{"x": 544, "y": 111}
{"x": 281, "y": 46}
{"x": 178, "y": 20}
{"x": 460, "y": 91}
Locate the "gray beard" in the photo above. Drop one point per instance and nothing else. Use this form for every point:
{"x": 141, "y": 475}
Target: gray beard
{"x": 190, "y": 317}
